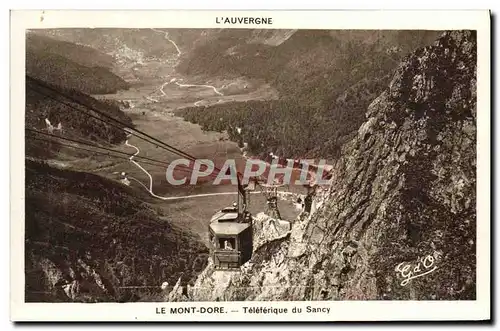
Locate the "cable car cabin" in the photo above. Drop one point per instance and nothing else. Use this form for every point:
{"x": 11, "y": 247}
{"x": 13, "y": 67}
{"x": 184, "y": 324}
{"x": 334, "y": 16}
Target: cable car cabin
{"x": 231, "y": 237}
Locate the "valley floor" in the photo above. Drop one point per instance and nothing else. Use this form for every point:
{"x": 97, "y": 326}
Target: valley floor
{"x": 152, "y": 107}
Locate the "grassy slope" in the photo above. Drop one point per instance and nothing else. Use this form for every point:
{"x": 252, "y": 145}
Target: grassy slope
{"x": 326, "y": 79}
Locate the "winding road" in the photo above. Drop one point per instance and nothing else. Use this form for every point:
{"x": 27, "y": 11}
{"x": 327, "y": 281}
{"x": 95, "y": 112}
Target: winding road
{"x": 155, "y": 99}
{"x": 195, "y": 85}
{"x": 150, "y": 188}
{"x": 179, "y": 53}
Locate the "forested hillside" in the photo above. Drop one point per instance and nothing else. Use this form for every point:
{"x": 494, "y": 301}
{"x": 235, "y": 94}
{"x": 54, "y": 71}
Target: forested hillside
{"x": 59, "y": 76}
{"x": 87, "y": 237}
{"x": 47, "y": 101}
{"x": 71, "y": 66}
{"x": 325, "y": 79}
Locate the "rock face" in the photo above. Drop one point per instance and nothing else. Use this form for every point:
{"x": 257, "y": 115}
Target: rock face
{"x": 402, "y": 201}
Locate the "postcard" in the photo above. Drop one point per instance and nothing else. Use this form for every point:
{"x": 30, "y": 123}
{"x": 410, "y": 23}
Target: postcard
{"x": 209, "y": 165}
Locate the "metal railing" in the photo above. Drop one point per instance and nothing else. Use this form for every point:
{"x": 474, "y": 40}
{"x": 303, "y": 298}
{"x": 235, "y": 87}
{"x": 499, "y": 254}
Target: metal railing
{"x": 225, "y": 258}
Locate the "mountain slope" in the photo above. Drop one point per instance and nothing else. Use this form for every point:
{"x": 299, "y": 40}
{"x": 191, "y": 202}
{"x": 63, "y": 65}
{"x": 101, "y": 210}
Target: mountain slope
{"x": 308, "y": 66}
{"x": 403, "y": 190}
{"x": 58, "y": 71}
{"x": 328, "y": 77}
{"x": 73, "y": 116}
{"x": 83, "y": 55}
{"x": 87, "y": 237}
{"x": 71, "y": 66}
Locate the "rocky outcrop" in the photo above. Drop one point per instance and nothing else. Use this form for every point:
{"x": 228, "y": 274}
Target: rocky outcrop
{"x": 402, "y": 201}
{"x": 267, "y": 229}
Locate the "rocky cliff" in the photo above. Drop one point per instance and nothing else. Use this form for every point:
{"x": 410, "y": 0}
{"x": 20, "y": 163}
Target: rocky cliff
{"x": 402, "y": 201}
